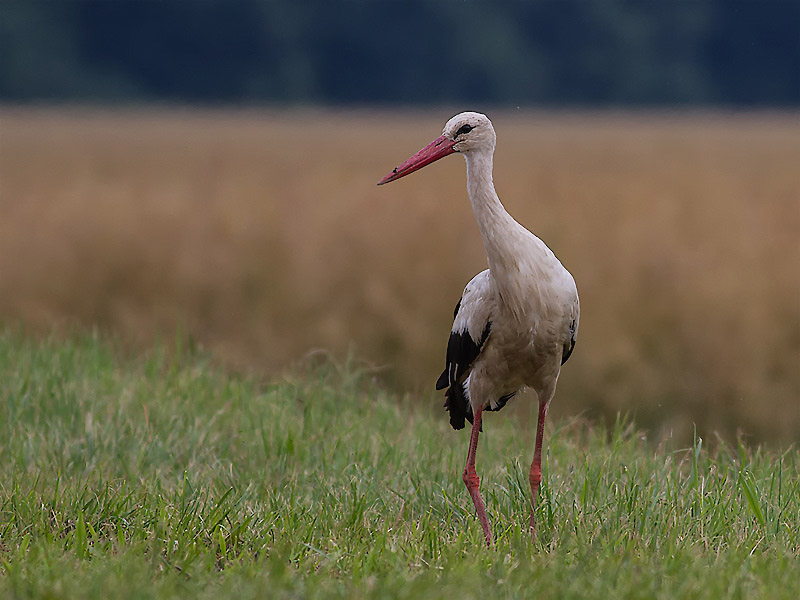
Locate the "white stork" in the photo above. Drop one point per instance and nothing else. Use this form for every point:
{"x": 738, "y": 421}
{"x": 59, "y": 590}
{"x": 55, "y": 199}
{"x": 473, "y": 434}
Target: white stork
{"x": 516, "y": 322}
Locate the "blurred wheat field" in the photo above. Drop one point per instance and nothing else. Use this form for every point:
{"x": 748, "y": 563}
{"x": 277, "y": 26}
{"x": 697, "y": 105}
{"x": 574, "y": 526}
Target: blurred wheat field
{"x": 263, "y": 236}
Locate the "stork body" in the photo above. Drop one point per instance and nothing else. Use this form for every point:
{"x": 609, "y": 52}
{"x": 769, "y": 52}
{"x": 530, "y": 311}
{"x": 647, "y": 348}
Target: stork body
{"x": 516, "y": 322}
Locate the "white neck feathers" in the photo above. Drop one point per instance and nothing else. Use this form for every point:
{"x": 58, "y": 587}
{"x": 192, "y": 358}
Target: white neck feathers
{"x": 517, "y": 258}
{"x": 503, "y": 237}
{"x": 492, "y": 217}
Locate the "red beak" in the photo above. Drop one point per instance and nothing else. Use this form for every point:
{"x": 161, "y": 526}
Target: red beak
{"x": 438, "y": 148}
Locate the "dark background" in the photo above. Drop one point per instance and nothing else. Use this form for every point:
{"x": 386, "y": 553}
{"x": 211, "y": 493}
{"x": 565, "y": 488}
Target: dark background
{"x": 734, "y": 53}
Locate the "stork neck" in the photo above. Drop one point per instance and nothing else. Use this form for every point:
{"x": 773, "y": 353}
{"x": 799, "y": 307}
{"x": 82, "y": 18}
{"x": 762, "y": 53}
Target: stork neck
{"x": 502, "y": 235}
{"x": 493, "y": 220}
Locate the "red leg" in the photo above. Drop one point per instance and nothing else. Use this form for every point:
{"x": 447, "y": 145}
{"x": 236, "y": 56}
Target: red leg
{"x": 471, "y": 477}
{"x": 536, "y": 466}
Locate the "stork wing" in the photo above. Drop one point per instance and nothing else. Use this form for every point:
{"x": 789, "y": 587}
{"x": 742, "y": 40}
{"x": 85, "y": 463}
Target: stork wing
{"x": 569, "y": 345}
{"x": 462, "y": 350}
{"x": 471, "y": 328}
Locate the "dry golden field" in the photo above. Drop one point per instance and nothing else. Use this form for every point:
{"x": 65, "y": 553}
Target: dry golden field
{"x": 263, "y": 236}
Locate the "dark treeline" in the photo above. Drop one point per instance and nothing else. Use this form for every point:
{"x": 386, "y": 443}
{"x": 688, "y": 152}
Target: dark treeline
{"x": 546, "y": 52}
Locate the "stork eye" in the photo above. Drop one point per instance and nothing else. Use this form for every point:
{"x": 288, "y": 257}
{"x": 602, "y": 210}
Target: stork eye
{"x": 464, "y": 129}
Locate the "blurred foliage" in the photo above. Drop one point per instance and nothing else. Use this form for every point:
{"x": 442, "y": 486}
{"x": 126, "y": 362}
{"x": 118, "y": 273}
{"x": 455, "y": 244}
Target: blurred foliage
{"x": 610, "y": 52}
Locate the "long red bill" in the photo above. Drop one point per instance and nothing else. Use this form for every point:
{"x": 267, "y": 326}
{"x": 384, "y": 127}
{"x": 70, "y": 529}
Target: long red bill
{"x": 438, "y": 148}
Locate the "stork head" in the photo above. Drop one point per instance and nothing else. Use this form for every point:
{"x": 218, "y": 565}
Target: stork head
{"x": 466, "y": 132}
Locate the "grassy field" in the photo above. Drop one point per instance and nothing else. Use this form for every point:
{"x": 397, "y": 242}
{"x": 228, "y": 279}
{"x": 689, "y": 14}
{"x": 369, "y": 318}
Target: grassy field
{"x": 262, "y": 236}
{"x": 154, "y": 477}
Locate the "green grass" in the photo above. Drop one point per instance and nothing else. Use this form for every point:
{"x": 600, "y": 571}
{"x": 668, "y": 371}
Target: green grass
{"x": 163, "y": 476}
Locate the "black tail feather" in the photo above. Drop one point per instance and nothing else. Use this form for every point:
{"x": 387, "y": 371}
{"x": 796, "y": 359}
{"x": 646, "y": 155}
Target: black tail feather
{"x": 443, "y": 381}
{"x": 501, "y": 402}
{"x": 459, "y": 407}
{"x": 456, "y": 403}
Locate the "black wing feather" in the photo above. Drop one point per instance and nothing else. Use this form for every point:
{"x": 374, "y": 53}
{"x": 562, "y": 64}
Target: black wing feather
{"x": 569, "y": 346}
{"x": 462, "y": 351}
